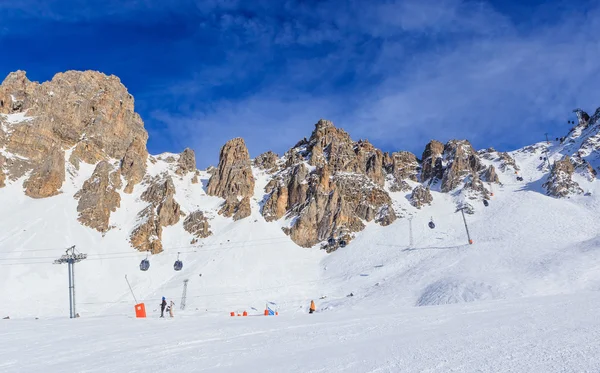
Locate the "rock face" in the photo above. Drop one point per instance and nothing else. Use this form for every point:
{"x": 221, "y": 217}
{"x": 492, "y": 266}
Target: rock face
{"x": 475, "y": 188}
{"x": 490, "y": 175}
{"x": 47, "y": 177}
{"x": 507, "y": 162}
{"x": 88, "y": 111}
{"x": 267, "y": 161}
{"x": 344, "y": 187}
{"x": 462, "y": 161}
{"x": 432, "y": 161}
{"x": 186, "y": 162}
{"x": 99, "y": 197}
{"x": 402, "y": 166}
{"x": 420, "y": 196}
{"x": 233, "y": 179}
{"x": 162, "y": 211}
{"x": 560, "y": 183}
{"x": 197, "y": 224}
{"x": 334, "y": 147}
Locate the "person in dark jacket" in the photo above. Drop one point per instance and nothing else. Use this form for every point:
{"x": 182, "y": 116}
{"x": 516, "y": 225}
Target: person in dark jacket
{"x": 162, "y": 307}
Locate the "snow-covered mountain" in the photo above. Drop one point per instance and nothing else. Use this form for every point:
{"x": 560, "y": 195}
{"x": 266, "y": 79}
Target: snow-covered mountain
{"x": 329, "y": 218}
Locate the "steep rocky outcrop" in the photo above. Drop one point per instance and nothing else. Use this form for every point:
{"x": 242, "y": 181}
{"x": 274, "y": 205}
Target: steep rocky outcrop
{"x": 88, "y": 111}
{"x": 197, "y": 224}
{"x": 267, "y": 161}
{"x": 343, "y": 188}
{"x": 236, "y": 209}
{"x": 490, "y": 175}
{"x": 432, "y": 161}
{"x": 98, "y": 197}
{"x": 560, "y": 183}
{"x": 334, "y": 147}
{"x": 462, "y": 161}
{"x": 507, "y": 163}
{"x": 146, "y": 236}
{"x": 475, "y": 189}
{"x": 233, "y": 179}
{"x": 186, "y": 162}
{"x": 162, "y": 211}
{"x": 401, "y": 166}
{"x": 420, "y": 196}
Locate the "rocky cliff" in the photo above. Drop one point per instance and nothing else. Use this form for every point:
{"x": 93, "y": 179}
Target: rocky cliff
{"x": 88, "y": 115}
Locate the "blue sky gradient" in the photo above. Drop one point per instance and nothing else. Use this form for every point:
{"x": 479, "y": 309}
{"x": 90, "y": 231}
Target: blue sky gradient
{"x": 400, "y": 73}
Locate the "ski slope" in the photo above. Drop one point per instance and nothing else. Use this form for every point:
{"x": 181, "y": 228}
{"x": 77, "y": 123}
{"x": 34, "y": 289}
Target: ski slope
{"x": 539, "y": 334}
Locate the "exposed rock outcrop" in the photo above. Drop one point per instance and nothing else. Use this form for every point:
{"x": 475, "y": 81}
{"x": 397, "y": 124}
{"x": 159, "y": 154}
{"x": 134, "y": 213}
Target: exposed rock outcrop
{"x": 432, "y": 161}
{"x": 47, "y": 178}
{"x": 233, "y": 179}
{"x": 475, "y": 188}
{"x": 560, "y": 183}
{"x": 98, "y": 197}
{"x": 267, "y": 161}
{"x": 420, "y": 196}
{"x": 162, "y": 211}
{"x": 507, "y": 163}
{"x": 401, "y": 166}
{"x": 343, "y": 189}
{"x": 197, "y": 224}
{"x": 186, "y": 162}
{"x": 146, "y": 236}
{"x": 334, "y": 147}
{"x": 236, "y": 209}
{"x": 490, "y": 175}
{"x": 462, "y": 161}
{"x": 87, "y": 110}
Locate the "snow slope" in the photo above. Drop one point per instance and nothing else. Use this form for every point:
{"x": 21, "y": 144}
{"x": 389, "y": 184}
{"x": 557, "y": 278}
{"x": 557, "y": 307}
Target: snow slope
{"x": 539, "y": 334}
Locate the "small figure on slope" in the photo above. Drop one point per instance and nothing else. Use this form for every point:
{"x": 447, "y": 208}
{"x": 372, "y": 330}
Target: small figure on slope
{"x": 170, "y": 308}
{"x": 163, "y": 304}
{"x": 312, "y": 307}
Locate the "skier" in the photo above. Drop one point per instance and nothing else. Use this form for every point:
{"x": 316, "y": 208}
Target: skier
{"x": 163, "y": 304}
{"x": 170, "y": 308}
{"x": 312, "y": 307}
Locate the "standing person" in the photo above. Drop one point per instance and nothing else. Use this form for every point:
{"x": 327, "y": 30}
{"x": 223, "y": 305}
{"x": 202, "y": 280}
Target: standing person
{"x": 171, "y": 308}
{"x": 163, "y": 304}
{"x": 312, "y": 307}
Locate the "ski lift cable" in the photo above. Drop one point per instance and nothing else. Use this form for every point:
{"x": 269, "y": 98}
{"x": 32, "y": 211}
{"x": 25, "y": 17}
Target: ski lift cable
{"x": 197, "y": 248}
{"x": 178, "y": 247}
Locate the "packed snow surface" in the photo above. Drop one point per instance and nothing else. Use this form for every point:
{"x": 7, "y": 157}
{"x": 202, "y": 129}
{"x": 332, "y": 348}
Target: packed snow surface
{"x": 539, "y": 334}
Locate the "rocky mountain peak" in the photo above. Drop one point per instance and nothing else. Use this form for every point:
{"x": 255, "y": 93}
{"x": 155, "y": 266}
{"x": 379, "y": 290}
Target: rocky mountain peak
{"x": 233, "y": 179}
{"x": 86, "y": 112}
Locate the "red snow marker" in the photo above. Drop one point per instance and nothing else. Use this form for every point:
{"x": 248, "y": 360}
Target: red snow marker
{"x": 232, "y": 314}
{"x": 266, "y": 312}
{"x": 245, "y": 313}
{"x": 140, "y": 310}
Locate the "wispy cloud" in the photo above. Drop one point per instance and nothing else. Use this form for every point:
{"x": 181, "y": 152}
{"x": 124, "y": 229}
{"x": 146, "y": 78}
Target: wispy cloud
{"x": 397, "y": 72}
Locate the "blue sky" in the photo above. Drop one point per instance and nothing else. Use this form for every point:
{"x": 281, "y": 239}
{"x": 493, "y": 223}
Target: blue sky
{"x": 400, "y": 73}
